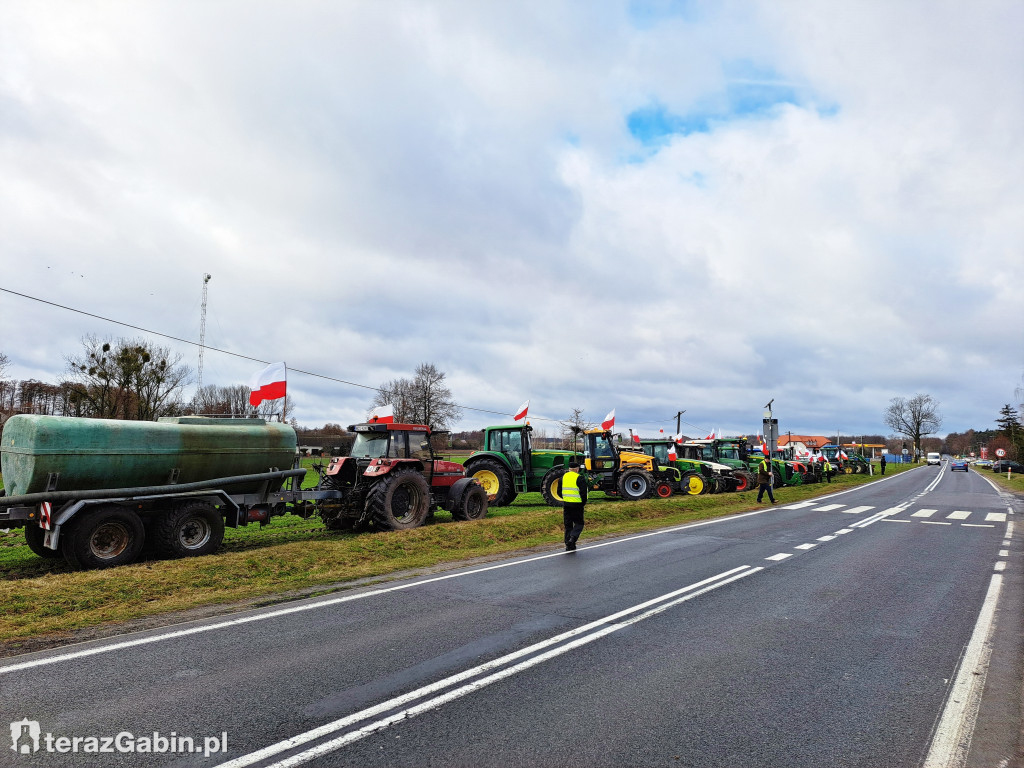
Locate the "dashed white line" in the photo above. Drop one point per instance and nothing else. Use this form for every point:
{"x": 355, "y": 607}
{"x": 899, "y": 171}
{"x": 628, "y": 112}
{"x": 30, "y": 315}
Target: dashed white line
{"x": 806, "y": 546}
{"x": 890, "y": 520}
{"x": 801, "y": 505}
{"x": 1004, "y": 553}
{"x": 976, "y": 525}
{"x": 856, "y": 510}
{"x": 780, "y": 556}
{"x": 958, "y": 515}
{"x": 828, "y": 507}
{"x": 841, "y": 531}
{"x": 934, "y": 522}
{"x": 995, "y": 517}
{"x": 924, "y": 513}
{"x": 1001, "y": 565}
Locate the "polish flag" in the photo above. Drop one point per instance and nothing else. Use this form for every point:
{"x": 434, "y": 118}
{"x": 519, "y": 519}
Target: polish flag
{"x": 636, "y": 439}
{"x": 672, "y": 453}
{"x": 843, "y": 456}
{"x": 384, "y": 414}
{"x": 677, "y": 438}
{"x": 609, "y": 420}
{"x": 521, "y": 412}
{"x": 711, "y": 436}
{"x": 268, "y": 384}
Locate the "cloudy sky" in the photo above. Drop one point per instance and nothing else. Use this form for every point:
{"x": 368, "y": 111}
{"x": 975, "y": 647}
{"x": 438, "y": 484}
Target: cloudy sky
{"x": 646, "y": 206}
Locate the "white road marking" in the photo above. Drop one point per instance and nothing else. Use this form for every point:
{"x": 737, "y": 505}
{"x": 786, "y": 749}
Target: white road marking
{"x": 976, "y": 525}
{"x": 1006, "y": 542}
{"x": 958, "y": 515}
{"x": 924, "y": 513}
{"x": 576, "y": 637}
{"x": 856, "y": 510}
{"x": 1004, "y": 553}
{"x": 995, "y": 517}
{"x": 825, "y": 538}
{"x": 805, "y": 546}
{"x": 801, "y": 505}
{"x": 780, "y": 556}
{"x": 888, "y": 520}
{"x": 841, "y": 531}
{"x": 955, "y": 730}
{"x": 1001, "y": 565}
{"x": 934, "y": 522}
{"x": 828, "y": 507}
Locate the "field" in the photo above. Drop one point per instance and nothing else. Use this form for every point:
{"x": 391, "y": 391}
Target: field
{"x": 44, "y": 601}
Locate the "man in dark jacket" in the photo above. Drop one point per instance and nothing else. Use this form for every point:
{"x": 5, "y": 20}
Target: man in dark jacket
{"x": 764, "y": 480}
{"x": 574, "y": 498}
{"x": 883, "y": 463}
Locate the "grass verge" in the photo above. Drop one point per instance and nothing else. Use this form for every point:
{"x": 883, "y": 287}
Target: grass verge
{"x": 44, "y": 598}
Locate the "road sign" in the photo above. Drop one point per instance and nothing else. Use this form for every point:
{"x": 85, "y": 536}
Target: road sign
{"x": 1000, "y": 452}
{"x": 905, "y": 451}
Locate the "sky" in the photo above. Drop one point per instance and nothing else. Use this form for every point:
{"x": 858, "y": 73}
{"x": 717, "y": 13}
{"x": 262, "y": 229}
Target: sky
{"x": 650, "y": 207}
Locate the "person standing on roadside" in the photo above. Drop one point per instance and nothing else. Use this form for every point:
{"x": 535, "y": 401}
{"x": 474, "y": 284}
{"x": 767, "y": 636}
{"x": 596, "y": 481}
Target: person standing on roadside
{"x": 828, "y": 469}
{"x": 574, "y": 499}
{"x": 764, "y": 480}
{"x": 883, "y": 463}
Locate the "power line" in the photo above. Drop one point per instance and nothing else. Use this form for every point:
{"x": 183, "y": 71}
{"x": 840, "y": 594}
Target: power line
{"x": 257, "y": 360}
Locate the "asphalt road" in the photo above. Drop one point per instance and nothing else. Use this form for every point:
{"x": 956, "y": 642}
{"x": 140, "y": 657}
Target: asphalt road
{"x": 878, "y": 627}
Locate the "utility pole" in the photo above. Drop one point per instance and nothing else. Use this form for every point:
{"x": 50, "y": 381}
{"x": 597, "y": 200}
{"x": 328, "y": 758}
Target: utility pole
{"x": 679, "y": 427}
{"x": 202, "y": 335}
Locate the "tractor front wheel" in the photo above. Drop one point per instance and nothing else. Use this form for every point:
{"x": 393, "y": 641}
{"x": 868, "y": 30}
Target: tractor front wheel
{"x": 693, "y": 484}
{"x": 551, "y": 487}
{"x": 399, "y": 501}
{"x": 636, "y": 484}
{"x": 663, "y": 489}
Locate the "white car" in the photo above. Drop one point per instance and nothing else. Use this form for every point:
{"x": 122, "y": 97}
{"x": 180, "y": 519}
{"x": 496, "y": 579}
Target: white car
{"x": 934, "y": 459}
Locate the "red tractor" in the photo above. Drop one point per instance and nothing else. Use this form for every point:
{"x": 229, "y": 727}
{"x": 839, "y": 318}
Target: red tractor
{"x": 392, "y": 481}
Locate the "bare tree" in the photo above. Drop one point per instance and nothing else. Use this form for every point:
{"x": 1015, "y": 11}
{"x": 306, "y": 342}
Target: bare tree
{"x": 572, "y": 427}
{"x": 422, "y": 400}
{"x": 126, "y": 379}
{"x": 914, "y": 418}
{"x": 5, "y": 361}
{"x": 233, "y": 402}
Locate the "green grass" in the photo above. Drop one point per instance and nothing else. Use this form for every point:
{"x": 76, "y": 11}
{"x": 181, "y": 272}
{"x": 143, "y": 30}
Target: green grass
{"x": 44, "y": 597}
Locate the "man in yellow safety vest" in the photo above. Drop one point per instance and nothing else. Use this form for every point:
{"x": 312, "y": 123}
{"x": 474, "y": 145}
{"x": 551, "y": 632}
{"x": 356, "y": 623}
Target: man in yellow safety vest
{"x": 574, "y": 498}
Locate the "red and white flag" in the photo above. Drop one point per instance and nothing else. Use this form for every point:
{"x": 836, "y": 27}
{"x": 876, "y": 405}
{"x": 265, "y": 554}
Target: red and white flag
{"x": 609, "y": 420}
{"x": 711, "y": 436}
{"x": 521, "y": 412}
{"x": 677, "y": 438}
{"x": 672, "y": 452}
{"x": 384, "y": 414}
{"x": 843, "y": 456}
{"x": 636, "y": 439}
{"x": 268, "y": 384}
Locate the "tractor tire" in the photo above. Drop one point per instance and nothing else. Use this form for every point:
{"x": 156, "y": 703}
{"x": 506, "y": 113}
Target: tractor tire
{"x": 663, "y": 489}
{"x": 847, "y": 470}
{"x": 551, "y": 487}
{"x": 636, "y": 485}
{"x": 34, "y": 536}
{"x": 105, "y": 537}
{"x": 693, "y": 484}
{"x": 400, "y": 501}
{"x": 744, "y": 482}
{"x": 472, "y": 505}
{"x": 189, "y": 529}
{"x": 496, "y": 480}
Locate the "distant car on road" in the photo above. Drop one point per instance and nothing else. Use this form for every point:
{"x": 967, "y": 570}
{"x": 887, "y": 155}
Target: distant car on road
{"x": 983, "y": 463}
{"x": 934, "y": 459}
{"x": 1007, "y": 466}
{"x": 956, "y": 464}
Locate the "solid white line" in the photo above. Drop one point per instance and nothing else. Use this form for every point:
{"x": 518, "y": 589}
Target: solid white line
{"x": 780, "y": 556}
{"x": 953, "y": 734}
{"x": 1001, "y": 565}
{"x": 579, "y": 636}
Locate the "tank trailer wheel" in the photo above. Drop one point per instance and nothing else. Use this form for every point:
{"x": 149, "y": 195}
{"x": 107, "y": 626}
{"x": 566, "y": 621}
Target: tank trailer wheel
{"x": 636, "y": 484}
{"x": 104, "y": 538}
{"x": 190, "y": 529}
{"x": 399, "y": 501}
{"x": 551, "y": 487}
{"x": 496, "y": 480}
{"x": 34, "y": 536}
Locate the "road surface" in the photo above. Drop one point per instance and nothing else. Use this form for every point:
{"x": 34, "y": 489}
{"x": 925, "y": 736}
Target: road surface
{"x": 861, "y": 629}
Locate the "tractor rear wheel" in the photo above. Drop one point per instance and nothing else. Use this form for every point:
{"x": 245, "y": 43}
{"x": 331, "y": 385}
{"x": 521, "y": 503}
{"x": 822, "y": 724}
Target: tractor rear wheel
{"x": 744, "y": 482}
{"x": 551, "y": 487}
{"x": 496, "y": 480}
{"x": 399, "y": 501}
{"x": 636, "y": 484}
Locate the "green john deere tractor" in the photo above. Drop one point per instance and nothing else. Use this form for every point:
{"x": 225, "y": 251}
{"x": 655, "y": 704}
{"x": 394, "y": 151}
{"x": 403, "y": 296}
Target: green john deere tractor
{"x": 509, "y": 465}
{"x": 730, "y": 451}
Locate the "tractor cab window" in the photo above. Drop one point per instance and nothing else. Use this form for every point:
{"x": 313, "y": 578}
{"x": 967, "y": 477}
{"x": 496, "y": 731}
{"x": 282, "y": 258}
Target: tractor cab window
{"x": 510, "y": 443}
{"x": 707, "y": 452}
{"x": 419, "y": 447}
{"x": 658, "y": 451}
{"x": 370, "y": 445}
{"x": 729, "y": 452}
{"x": 603, "y": 448}
{"x": 397, "y": 449}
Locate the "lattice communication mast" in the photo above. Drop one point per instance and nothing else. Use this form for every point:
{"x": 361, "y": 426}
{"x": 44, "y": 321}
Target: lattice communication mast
{"x": 202, "y": 335}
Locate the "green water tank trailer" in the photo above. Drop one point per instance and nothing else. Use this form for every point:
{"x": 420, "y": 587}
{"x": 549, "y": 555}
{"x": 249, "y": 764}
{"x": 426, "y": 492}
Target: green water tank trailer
{"x": 86, "y": 454}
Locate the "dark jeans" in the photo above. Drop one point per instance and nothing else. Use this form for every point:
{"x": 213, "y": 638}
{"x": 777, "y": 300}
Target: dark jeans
{"x": 765, "y": 487}
{"x": 883, "y": 467}
{"x": 572, "y": 517}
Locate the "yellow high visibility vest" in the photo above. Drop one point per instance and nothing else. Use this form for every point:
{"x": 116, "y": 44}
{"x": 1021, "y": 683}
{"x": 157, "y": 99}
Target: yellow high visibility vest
{"x": 571, "y": 491}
